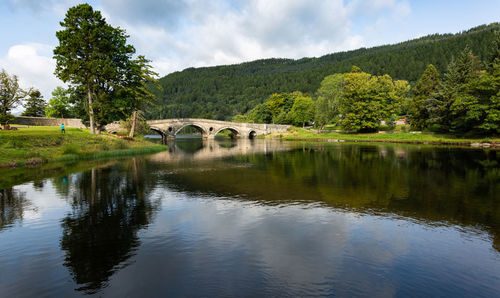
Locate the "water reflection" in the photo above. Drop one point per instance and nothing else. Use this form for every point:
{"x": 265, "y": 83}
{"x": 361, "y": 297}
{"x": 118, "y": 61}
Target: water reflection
{"x": 109, "y": 207}
{"x": 437, "y": 185}
{"x": 13, "y": 206}
{"x": 198, "y": 149}
{"x": 260, "y": 217}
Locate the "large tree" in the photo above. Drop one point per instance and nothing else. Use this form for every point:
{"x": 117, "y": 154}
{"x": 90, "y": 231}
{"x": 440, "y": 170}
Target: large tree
{"x": 427, "y": 86}
{"x": 329, "y": 96}
{"x": 302, "y": 110}
{"x": 10, "y": 95}
{"x": 369, "y": 99}
{"x": 35, "y": 105}
{"x": 95, "y": 55}
{"x": 452, "y": 109}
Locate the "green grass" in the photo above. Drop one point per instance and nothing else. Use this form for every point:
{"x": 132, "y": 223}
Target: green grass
{"x": 35, "y": 145}
{"x": 296, "y": 133}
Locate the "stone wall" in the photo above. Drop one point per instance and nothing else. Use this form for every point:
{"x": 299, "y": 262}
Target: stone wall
{"x": 40, "y": 121}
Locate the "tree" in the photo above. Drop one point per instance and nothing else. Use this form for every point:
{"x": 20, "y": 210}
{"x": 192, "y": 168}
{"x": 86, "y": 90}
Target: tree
{"x": 10, "y": 95}
{"x": 35, "y": 105}
{"x": 452, "y": 109}
{"x": 240, "y": 118}
{"x": 260, "y": 114}
{"x": 279, "y": 106}
{"x": 329, "y": 96}
{"x": 302, "y": 110}
{"x": 322, "y": 114}
{"x": 369, "y": 99}
{"x": 427, "y": 85}
{"x": 93, "y": 54}
{"x": 140, "y": 74}
{"x": 59, "y": 105}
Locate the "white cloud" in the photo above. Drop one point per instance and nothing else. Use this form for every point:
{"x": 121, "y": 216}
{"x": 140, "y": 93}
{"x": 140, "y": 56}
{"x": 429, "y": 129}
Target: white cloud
{"x": 221, "y": 32}
{"x": 33, "y": 64}
{"x": 193, "y": 33}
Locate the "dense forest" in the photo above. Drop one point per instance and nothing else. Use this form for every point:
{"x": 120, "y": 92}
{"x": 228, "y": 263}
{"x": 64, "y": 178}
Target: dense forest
{"x": 222, "y": 92}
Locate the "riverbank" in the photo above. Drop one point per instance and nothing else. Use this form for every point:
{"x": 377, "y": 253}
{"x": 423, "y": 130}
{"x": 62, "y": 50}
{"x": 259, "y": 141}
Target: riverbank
{"x": 40, "y": 145}
{"x": 301, "y": 134}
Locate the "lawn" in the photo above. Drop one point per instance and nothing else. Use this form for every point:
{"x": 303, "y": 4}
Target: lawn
{"x": 43, "y": 144}
{"x": 296, "y": 133}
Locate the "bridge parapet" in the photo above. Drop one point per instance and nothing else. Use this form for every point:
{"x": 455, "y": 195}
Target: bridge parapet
{"x": 208, "y": 128}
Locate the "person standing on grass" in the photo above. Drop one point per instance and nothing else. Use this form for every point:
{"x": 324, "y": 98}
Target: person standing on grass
{"x": 62, "y": 128}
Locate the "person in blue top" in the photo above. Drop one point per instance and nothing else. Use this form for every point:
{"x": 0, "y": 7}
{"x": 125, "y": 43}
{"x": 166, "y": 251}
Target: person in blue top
{"x": 62, "y": 128}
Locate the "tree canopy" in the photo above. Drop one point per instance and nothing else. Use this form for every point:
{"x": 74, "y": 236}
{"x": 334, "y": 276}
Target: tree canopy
{"x": 94, "y": 55}
{"x": 11, "y": 95}
{"x": 35, "y": 105}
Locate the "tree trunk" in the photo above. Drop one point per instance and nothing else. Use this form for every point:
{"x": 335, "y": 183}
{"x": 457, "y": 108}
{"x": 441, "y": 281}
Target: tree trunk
{"x": 91, "y": 110}
{"x": 134, "y": 120}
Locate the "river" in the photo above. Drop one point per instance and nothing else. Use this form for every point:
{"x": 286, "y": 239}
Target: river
{"x": 256, "y": 218}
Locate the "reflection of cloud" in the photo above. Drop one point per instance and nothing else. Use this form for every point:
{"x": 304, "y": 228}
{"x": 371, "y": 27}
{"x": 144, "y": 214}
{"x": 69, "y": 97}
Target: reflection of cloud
{"x": 293, "y": 246}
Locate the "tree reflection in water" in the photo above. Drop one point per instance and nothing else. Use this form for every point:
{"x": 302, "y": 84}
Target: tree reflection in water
{"x": 109, "y": 207}
{"x": 13, "y": 205}
{"x": 435, "y": 185}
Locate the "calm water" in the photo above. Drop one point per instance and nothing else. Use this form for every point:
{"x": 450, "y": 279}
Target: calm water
{"x": 255, "y": 218}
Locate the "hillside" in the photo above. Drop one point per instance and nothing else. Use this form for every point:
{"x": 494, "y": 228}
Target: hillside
{"x": 221, "y": 92}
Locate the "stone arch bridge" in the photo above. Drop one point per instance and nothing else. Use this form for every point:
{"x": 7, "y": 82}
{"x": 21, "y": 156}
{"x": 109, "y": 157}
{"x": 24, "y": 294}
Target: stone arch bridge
{"x": 168, "y": 128}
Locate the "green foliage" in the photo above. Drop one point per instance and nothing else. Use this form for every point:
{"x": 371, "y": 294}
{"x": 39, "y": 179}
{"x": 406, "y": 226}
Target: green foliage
{"x": 369, "y": 99}
{"x": 35, "y": 105}
{"x": 239, "y": 118}
{"x": 302, "y": 110}
{"x": 94, "y": 55}
{"x": 239, "y": 88}
{"x": 427, "y": 86}
{"x": 141, "y": 126}
{"x": 59, "y": 105}
{"x": 329, "y": 94}
{"x": 260, "y": 114}
{"x": 10, "y": 95}
{"x": 280, "y": 105}
{"x": 322, "y": 113}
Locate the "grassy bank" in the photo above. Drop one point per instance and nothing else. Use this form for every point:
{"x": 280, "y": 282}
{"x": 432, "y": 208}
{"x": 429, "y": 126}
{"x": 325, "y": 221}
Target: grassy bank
{"x": 296, "y": 133}
{"x": 37, "y": 145}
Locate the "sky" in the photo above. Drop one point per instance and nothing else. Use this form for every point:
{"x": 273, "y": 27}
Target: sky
{"x": 177, "y": 34}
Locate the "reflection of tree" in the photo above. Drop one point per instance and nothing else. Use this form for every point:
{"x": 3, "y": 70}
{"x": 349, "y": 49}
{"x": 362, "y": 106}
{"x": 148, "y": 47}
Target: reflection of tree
{"x": 430, "y": 184}
{"x": 189, "y": 146}
{"x": 13, "y": 204}
{"x": 109, "y": 207}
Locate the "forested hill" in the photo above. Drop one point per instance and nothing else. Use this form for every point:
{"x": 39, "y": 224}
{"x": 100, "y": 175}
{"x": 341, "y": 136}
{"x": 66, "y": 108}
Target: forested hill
{"x": 221, "y": 92}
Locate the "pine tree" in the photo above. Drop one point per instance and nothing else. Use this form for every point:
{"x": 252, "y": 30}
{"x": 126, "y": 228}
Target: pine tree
{"x": 94, "y": 55}
{"x": 427, "y": 85}
{"x": 35, "y": 105}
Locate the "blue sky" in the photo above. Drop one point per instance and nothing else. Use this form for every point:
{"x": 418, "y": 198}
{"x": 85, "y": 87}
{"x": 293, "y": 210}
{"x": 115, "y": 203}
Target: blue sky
{"x": 176, "y": 34}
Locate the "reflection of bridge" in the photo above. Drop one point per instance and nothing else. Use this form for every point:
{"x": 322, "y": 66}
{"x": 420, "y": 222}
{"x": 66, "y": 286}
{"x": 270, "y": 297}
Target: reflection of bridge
{"x": 213, "y": 149}
{"x": 168, "y": 128}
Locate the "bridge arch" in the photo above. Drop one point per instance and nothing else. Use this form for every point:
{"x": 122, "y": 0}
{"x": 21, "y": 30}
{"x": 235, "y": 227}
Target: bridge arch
{"x": 201, "y": 129}
{"x": 252, "y": 134}
{"x": 235, "y": 131}
{"x": 155, "y": 129}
